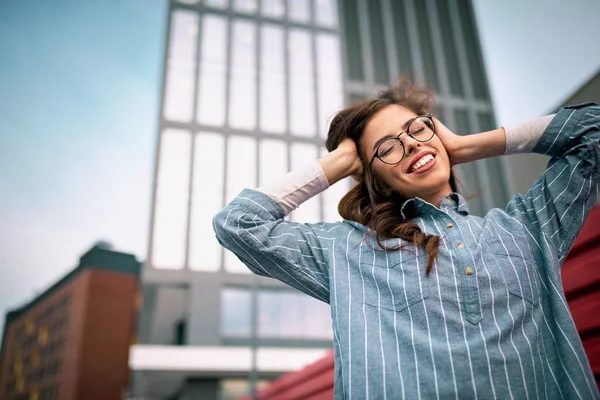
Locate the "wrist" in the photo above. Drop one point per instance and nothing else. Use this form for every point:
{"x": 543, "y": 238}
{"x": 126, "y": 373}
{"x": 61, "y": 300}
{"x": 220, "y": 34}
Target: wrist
{"x": 479, "y": 146}
{"x": 338, "y": 165}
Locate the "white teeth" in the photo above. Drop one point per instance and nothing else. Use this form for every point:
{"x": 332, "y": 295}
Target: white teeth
{"x": 424, "y": 160}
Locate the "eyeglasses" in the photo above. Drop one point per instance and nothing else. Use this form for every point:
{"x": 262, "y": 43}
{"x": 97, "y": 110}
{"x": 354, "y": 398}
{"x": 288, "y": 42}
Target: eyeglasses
{"x": 391, "y": 151}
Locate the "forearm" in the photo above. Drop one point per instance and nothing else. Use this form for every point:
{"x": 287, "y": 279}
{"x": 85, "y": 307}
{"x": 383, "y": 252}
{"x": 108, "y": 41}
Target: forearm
{"x": 482, "y": 145}
{"x": 520, "y": 138}
{"x": 297, "y": 186}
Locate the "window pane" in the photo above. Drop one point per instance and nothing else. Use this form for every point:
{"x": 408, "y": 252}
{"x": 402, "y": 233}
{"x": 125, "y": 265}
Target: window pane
{"x": 329, "y": 80}
{"x": 302, "y": 119}
{"x": 207, "y": 200}
{"x": 242, "y": 98}
{"x": 247, "y": 6}
{"x": 317, "y": 319}
{"x": 241, "y": 165}
{"x": 211, "y": 86}
{"x": 291, "y": 315}
{"x": 233, "y": 264}
{"x": 179, "y": 91}
{"x": 170, "y": 219}
{"x": 299, "y": 10}
{"x": 326, "y": 12}
{"x": 379, "y": 60}
{"x": 236, "y": 312}
{"x": 302, "y": 154}
{"x": 354, "y": 49}
{"x": 273, "y": 161}
{"x": 272, "y": 83}
{"x": 273, "y": 8}
{"x": 216, "y": 3}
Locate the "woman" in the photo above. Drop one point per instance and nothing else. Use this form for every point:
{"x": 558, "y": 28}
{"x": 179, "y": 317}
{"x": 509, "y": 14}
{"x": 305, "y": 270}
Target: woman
{"x": 428, "y": 301}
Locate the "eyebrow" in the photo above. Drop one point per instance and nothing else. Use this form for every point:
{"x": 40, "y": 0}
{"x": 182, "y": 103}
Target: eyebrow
{"x": 391, "y": 135}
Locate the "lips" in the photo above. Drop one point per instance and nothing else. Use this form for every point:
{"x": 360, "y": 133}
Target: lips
{"x": 418, "y": 158}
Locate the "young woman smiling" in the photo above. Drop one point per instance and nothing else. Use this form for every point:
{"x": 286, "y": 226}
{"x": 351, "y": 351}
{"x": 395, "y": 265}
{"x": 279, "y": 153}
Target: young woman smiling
{"x": 427, "y": 300}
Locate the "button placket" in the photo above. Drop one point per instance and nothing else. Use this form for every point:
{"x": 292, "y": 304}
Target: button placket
{"x": 468, "y": 280}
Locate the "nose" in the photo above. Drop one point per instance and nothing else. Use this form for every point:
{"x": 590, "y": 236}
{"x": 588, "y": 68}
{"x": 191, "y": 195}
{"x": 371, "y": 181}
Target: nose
{"x": 410, "y": 145}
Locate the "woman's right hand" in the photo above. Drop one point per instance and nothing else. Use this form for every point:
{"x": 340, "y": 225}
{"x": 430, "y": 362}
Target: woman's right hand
{"x": 342, "y": 162}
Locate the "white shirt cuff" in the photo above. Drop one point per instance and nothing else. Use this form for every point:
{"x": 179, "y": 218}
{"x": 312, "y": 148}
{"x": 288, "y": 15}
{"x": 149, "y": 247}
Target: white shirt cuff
{"x": 296, "y": 187}
{"x": 523, "y": 137}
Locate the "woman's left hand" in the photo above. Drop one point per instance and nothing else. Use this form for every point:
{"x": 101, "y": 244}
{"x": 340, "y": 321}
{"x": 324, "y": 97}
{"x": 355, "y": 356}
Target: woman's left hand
{"x": 453, "y": 143}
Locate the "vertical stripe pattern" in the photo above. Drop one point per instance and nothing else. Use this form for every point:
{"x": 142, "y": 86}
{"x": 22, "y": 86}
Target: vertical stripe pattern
{"x": 490, "y": 321}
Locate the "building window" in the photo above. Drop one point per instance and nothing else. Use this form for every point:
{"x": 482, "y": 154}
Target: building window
{"x": 273, "y": 8}
{"x": 236, "y": 312}
{"x": 170, "y": 219}
{"x": 326, "y": 12}
{"x": 299, "y": 10}
{"x": 213, "y": 68}
{"x": 302, "y": 98}
{"x": 181, "y": 63}
{"x": 292, "y": 315}
{"x": 329, "y": 78}
{"x": 207, "y": 199}
{"x": 242, "y": 98}
{"x": 272, "y": 79}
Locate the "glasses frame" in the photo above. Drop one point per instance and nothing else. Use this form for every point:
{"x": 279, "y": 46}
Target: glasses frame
{"x": 376, "y": 154}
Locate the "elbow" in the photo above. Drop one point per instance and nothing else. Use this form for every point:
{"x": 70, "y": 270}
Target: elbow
{"x": 222, "y": 225}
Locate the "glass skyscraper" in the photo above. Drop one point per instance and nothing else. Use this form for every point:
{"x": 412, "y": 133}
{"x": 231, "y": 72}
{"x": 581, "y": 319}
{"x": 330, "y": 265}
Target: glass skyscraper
{"x": 249, "y": 87}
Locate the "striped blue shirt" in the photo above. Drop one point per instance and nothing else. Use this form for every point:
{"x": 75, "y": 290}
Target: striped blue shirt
{"x": 491, "y": 320}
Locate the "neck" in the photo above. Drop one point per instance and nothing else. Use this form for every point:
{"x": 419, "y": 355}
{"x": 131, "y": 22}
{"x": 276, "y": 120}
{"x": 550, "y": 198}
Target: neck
{"x": 436, "y": 198}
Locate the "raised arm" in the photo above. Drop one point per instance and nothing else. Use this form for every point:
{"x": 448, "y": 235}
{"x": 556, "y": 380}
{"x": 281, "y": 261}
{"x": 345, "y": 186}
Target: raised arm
{"x": 556, "y": 206}
{"x": 253, "y": 227}
{"x": 560, "y": 199}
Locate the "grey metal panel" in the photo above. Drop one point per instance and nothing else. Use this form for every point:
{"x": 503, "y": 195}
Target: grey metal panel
{"x": 414, "y": 42}
{"x": 390, "y": 45}
{"x": 436, "y": 38}
{"x": 204, "y": 315}
{"x": 365, "y": 39}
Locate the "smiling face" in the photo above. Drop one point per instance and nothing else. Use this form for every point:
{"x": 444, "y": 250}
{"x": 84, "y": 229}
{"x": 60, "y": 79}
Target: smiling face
{"x": 425, "y": 169}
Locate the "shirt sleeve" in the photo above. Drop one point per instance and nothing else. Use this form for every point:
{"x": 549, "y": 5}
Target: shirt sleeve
{"x": 556, "y": 206}
{"x": 253, "y": 227}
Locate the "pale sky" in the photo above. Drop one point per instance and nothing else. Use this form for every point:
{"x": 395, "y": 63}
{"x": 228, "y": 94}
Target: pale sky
{"x": 78, "y": 114}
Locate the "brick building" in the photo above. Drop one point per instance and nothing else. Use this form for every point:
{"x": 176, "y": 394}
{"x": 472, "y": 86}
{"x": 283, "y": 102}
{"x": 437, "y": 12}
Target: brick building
{"x": 72, "y": 341}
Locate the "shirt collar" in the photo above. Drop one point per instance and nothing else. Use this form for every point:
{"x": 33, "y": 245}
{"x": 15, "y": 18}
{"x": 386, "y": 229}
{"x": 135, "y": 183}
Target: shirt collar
{"x": 415, "y": 206}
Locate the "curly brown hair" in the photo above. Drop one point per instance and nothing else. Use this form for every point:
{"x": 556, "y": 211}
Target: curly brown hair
{"x": 371, "y": 202}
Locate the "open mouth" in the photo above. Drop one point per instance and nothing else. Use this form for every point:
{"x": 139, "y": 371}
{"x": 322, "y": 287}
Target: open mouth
{"x": 422, "y": 163}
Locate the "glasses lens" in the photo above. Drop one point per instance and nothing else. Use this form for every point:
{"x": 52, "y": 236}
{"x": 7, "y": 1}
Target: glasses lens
{"x": 391, "y": 151}
{"x": 421, "y": 129}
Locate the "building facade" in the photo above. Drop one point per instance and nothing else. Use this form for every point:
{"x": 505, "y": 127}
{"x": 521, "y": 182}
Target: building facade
{"x": 248, "y": 89}
{"x": 72, "y": 341}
